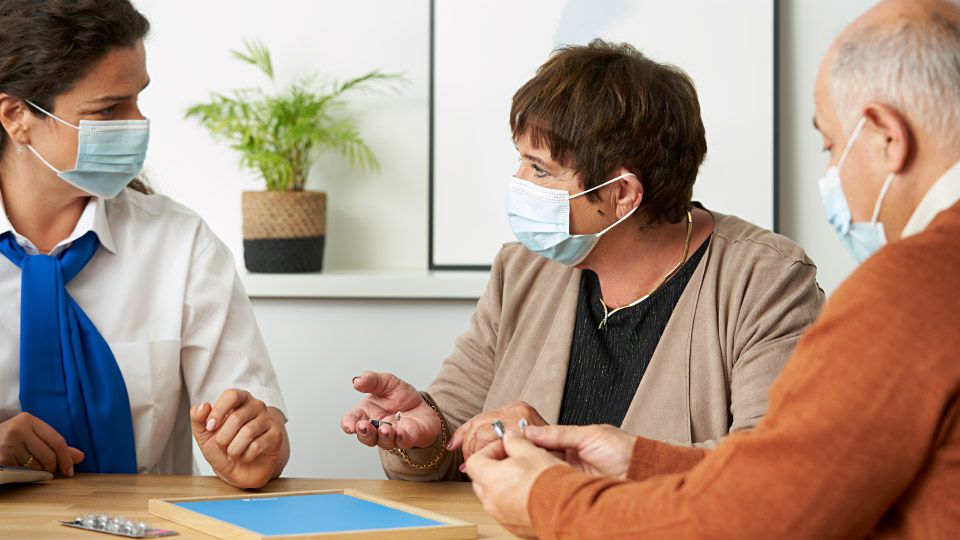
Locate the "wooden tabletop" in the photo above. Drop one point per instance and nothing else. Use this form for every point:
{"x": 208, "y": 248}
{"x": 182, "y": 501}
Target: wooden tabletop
{"x": 31, "y": 511}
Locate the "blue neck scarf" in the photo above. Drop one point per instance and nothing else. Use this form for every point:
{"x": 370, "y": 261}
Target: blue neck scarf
{"x": 69, "y": 377}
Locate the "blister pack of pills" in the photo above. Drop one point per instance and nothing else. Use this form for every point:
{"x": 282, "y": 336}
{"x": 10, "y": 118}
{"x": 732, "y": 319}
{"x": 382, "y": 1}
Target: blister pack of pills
{"x": 118, "y": 526}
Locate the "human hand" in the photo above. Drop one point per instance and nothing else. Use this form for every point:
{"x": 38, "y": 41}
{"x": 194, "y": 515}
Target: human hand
{"x": 418, "y": 426}
{"x": 503, "y": 474}
{"x": 27, "y": 441}
{"x": 243, "y": 440}
{"x": 477, "y": 432}
{"x": 598, "y": 450}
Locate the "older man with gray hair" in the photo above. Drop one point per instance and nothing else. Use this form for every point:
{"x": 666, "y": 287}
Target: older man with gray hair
{"x": 891, "y": 84}
{"x": 862, "y": 437}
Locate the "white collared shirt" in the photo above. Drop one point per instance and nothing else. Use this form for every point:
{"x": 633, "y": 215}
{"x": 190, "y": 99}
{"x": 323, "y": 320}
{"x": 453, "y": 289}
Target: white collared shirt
{"x": 942, "y": 195}
{"x": 164, "y": 292}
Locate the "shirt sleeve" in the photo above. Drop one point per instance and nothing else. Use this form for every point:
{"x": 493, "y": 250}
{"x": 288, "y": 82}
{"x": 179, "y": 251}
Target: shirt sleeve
{"x": 782, "y": 305}
{"x": 652, "y": 458}
{"x": 852, "y": 422}
{"x": 221, "y": 345}
{"x": 780, "y": 301}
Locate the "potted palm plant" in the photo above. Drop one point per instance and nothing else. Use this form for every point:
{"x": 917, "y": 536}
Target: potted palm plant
{"x": 280, "y": 136}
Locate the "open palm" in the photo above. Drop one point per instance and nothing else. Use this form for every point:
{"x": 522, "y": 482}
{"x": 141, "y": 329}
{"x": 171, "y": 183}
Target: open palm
{"x": 418, "y": 427}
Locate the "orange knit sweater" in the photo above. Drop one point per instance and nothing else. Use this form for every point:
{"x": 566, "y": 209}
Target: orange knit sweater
{"x": 862, "y": 438}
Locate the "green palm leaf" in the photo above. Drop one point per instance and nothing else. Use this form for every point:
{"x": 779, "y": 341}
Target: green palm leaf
{"x": 279, "y": 136}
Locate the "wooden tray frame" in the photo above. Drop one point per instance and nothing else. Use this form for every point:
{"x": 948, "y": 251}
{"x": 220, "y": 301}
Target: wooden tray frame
{"x": 453, "y": 529}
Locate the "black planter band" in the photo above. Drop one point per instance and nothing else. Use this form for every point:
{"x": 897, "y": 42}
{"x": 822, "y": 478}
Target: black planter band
{"x": 284, "y": 255}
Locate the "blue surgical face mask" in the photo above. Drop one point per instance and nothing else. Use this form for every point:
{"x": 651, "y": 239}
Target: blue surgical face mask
{"x": 861, "y": 239}
{"x": 109, "y": 154}
{"x": 540, "y": 219}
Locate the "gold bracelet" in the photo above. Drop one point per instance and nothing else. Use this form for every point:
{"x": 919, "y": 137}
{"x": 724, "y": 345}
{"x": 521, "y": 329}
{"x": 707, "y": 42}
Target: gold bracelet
{"x": 443, "y": 445}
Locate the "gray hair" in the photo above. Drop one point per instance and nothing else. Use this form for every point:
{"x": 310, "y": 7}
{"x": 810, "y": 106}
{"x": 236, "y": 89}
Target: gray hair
{"x": 913, "y": 66}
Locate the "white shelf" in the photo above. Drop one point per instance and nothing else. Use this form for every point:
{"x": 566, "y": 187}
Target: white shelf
{"x": 410, "y": 284}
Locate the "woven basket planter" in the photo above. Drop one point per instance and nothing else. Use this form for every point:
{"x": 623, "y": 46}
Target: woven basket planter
{"x": 284, "y": 231}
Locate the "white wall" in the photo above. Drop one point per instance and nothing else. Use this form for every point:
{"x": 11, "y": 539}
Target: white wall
{"x": 318, "y": 346}
{"x": 806, "y": 30}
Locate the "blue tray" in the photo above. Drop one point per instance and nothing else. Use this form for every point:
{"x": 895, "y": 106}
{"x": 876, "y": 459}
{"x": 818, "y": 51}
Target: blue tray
{"x": 308, "y": 514}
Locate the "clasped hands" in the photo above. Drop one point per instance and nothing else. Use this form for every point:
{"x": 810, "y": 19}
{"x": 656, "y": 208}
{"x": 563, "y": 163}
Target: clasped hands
{"x": 504, "y": 472}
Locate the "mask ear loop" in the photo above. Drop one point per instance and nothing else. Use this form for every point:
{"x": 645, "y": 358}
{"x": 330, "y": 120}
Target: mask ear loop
{"x": 886, "y": 183}
{"x": 58, "y": 119}
{"x": 853, "y": 139}
{"x": 883, "y": 195}
{"x": 51, "y": 115}
{"x": 594, "y": 188}
{"x": 45, "y": 162}
{"x": 619, "y": 221}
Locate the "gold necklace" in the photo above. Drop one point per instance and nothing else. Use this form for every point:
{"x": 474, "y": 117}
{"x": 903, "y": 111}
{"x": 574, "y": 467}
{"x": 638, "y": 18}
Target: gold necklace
{"x": 683, "y": 259}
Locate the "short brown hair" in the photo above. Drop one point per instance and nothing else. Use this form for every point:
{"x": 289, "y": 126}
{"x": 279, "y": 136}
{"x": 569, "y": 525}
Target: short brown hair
{"x": 605, "y": 105}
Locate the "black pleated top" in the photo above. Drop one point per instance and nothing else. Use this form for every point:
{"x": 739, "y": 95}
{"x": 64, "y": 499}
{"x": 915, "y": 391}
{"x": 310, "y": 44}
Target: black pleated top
{"x": 607, "y": 364}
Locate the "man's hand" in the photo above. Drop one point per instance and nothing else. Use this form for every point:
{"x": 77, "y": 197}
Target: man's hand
{"x": 243, "y": 440}
{"x": 596, "y": 450}
{"x": 503, "y": 475}
{"x": 477, "y": 432}
{"x": 418, "y": 426}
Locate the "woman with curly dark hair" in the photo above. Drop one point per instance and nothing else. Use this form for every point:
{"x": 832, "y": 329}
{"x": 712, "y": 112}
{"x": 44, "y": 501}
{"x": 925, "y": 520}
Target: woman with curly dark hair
{"x": 118, "y": 309}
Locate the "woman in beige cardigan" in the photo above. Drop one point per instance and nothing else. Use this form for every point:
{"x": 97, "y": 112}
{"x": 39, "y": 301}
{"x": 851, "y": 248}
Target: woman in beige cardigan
{"x": 625, "y": 303}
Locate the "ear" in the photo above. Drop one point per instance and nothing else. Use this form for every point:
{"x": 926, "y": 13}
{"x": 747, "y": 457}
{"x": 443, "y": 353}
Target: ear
{"x": 629, "y": 192}
{"x": 894, "y": 133}
{"x": 13, "y": 117}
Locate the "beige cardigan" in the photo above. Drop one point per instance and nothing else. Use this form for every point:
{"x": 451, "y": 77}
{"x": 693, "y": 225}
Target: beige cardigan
{"x": 750, "y": 298}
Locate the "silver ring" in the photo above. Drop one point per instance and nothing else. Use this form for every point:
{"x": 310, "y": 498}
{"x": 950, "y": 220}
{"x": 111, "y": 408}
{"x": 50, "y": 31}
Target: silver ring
{"x": 398, "y": 416}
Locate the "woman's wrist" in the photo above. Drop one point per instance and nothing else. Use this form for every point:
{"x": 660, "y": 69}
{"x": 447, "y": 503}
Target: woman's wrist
{"x": 438, "y": 447}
